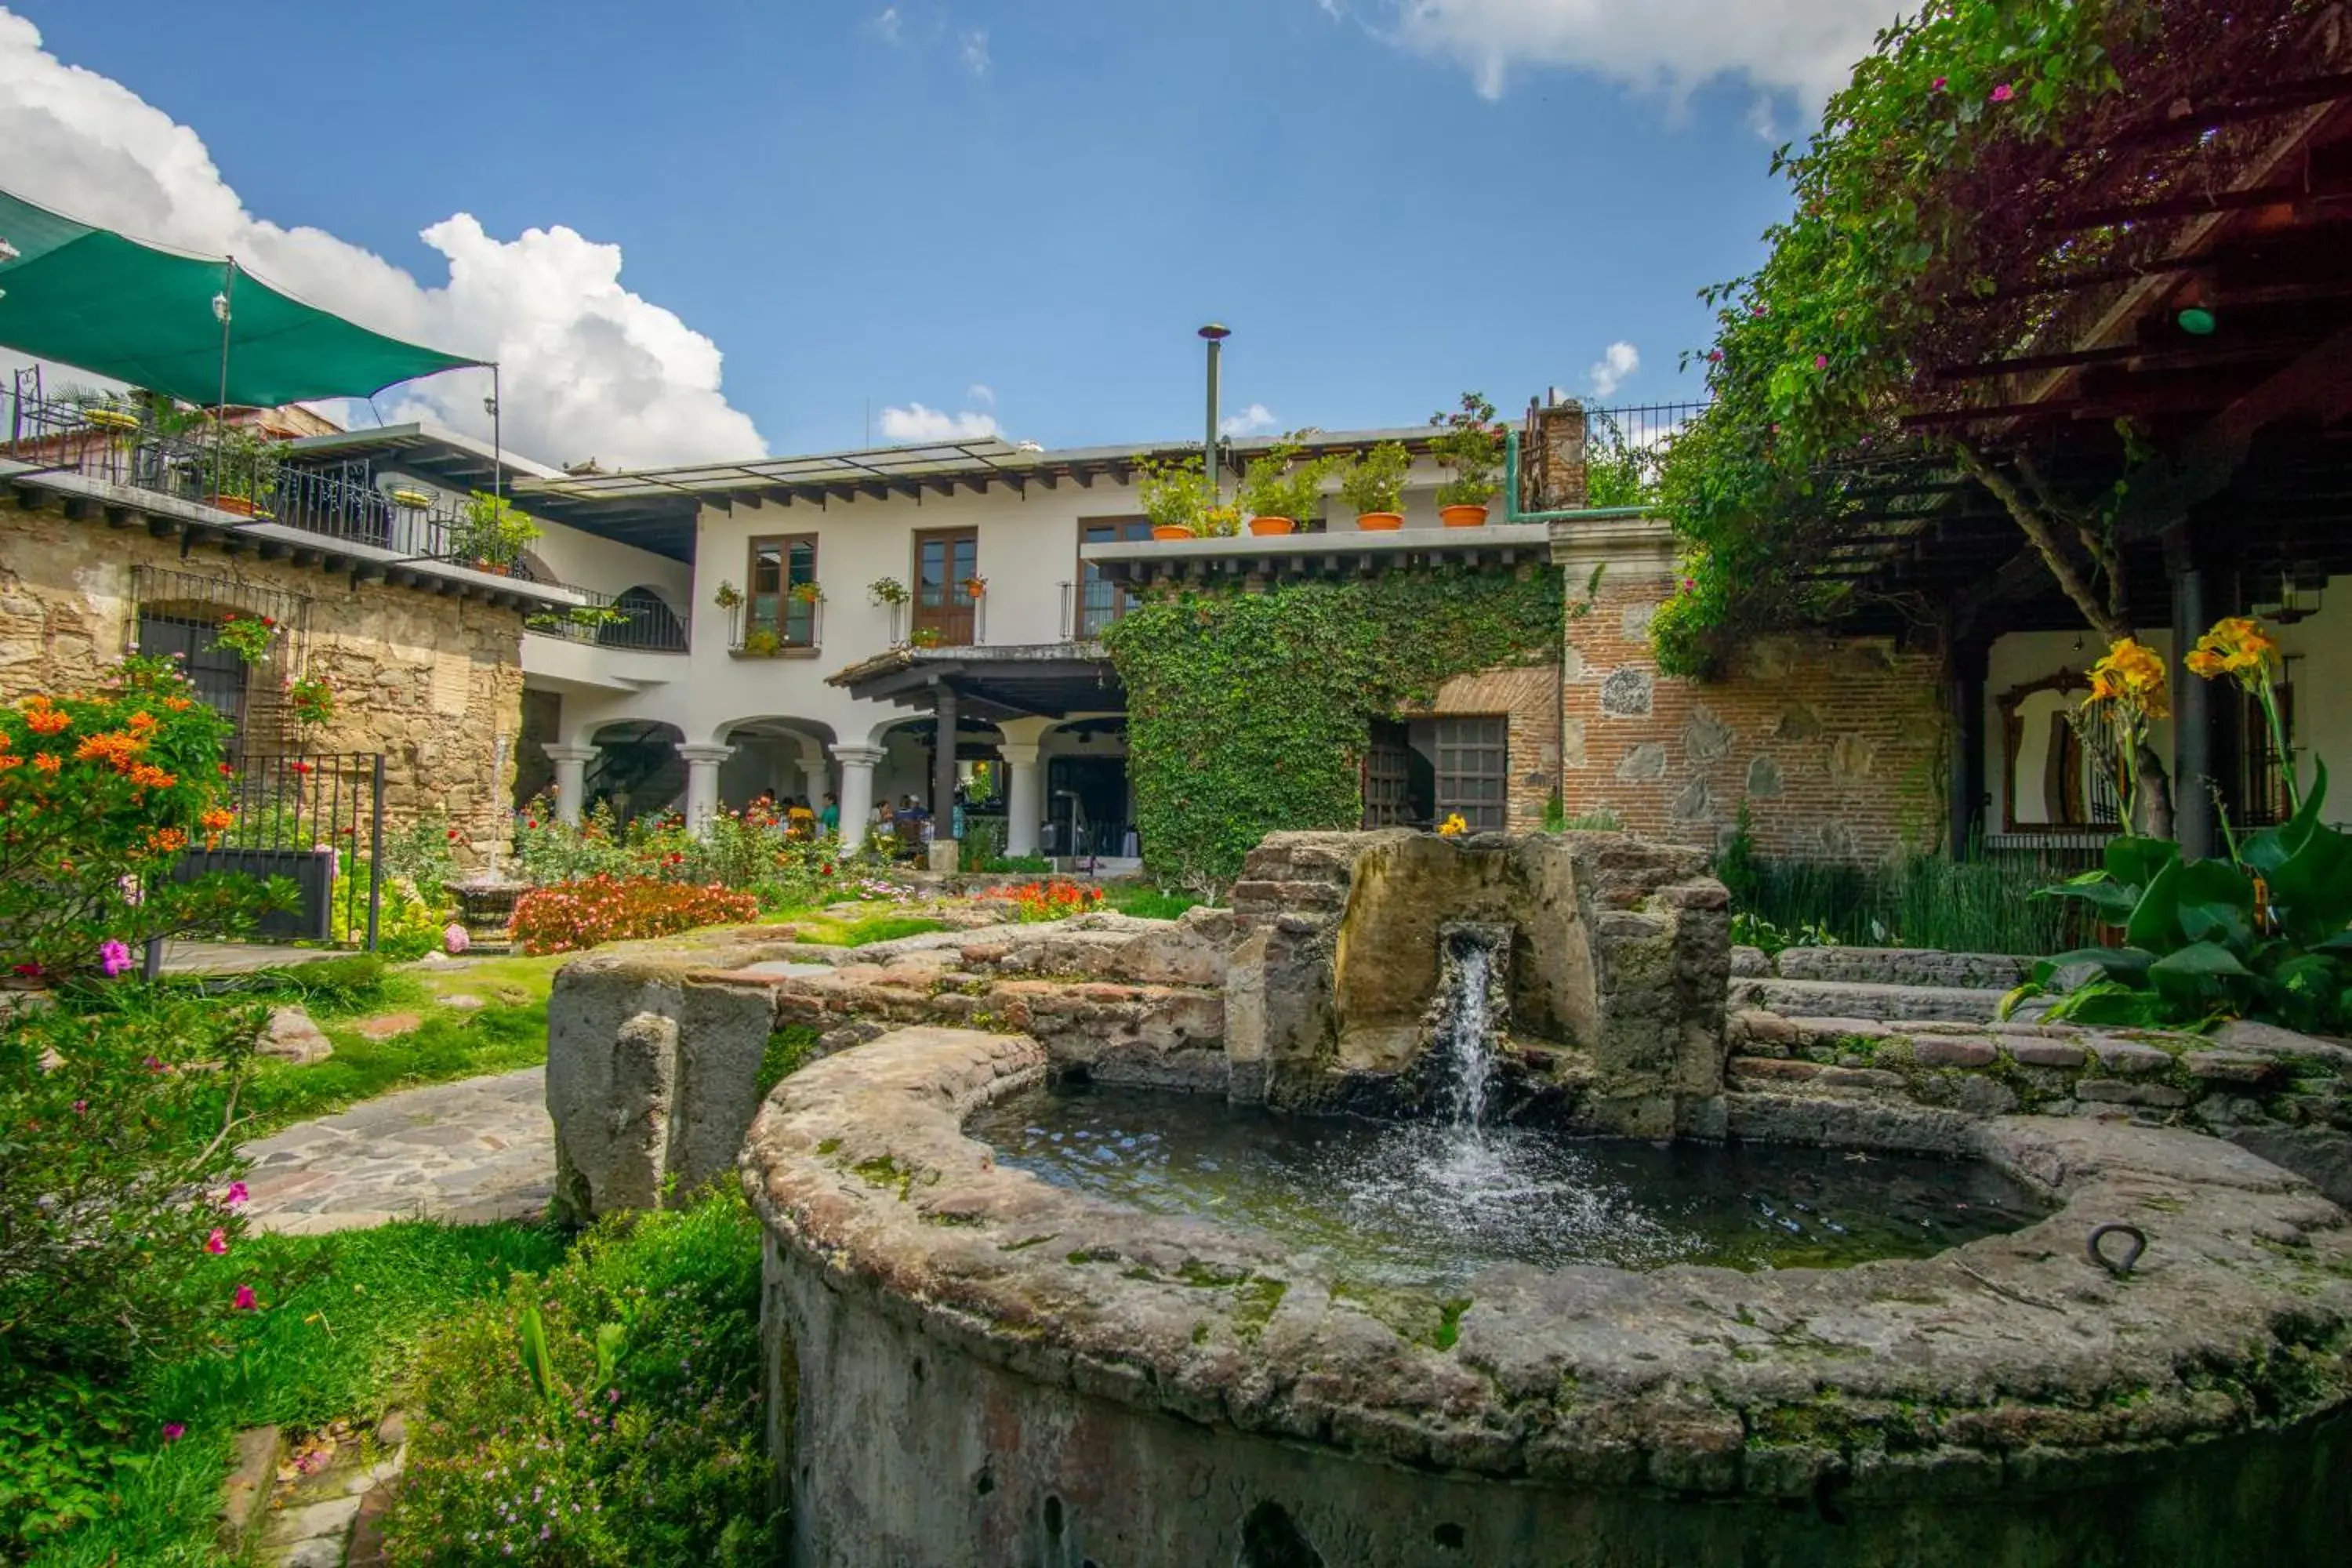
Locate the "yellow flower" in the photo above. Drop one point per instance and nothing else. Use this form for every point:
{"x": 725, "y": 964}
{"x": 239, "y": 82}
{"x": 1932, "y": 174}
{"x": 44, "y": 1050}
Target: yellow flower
{"x": 2236, "y": 646}
{"x": 1453, "y": 825}
{"x": 2133, "y": 677}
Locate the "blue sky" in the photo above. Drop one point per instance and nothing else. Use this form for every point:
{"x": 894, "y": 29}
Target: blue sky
{"x": 869, "y": 205}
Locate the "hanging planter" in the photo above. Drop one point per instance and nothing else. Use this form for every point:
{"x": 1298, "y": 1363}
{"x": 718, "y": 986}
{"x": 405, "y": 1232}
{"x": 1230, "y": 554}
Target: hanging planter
{"x": 411, "y": 500}
{"x": 106, "y": 417}
{"x": 975, "y": 587}
{"x": 807, "y": 593}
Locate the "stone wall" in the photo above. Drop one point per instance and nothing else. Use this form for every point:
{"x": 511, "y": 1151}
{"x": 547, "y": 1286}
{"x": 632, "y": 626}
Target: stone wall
{"x": 430, "y": 681}
{"x": 1837, "y": 746}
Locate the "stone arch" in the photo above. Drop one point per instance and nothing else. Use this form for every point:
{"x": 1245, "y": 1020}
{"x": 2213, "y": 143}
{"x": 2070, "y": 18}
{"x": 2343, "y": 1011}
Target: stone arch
{"x": 635, "y": 768}
{"x": 787, "y": 753}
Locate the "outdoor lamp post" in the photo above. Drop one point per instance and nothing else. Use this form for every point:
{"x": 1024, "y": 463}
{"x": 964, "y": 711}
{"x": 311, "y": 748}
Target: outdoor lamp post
{"x": 1215, "y": 334}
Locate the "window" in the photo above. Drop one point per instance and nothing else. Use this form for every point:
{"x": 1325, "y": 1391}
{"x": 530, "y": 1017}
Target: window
{"x": 1473, "y": 772}
{"x": 770, "y": 607}
{"x": 946, "y": 561}
{"x": 1100, "y": 600}
{"x": 218, "y": 675}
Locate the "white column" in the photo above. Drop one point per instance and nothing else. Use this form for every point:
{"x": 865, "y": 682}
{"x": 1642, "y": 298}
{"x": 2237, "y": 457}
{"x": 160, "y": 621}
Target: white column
{"x": 571, "y": 778}
{"x": 856, "y": 791}
{"x": 1025, "y": 796}
{"x": 702, "y": 783}
{"x": 816, "y": 777}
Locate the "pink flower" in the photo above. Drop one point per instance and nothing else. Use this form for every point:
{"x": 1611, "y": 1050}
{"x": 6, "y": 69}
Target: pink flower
{"x": 113, "y": 957}
{"x": 454, "y": 938}
{"x": 243, "y": 1301}
{"x": 173, "y": 1431}
{"x": 82, "y": 1108}
{"x": 1755, "y": 310}
{"x": 217, "y": 1243}
{"x": 151, "y": 1064}
{"x": 235, "y": 1196}
{"x": 1940, "y": 82}
{"x": 1821, "y": 362}
{"x": 2004, "y": 93}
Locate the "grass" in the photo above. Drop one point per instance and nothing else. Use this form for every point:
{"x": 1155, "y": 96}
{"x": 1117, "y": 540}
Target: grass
{"x": 1148, "y": 903}
{"x": 789, "y": 1049}
{"x": 825, "y": 931}
{"x": 1927, "y": 901}
{"x": 341, "y": 1317}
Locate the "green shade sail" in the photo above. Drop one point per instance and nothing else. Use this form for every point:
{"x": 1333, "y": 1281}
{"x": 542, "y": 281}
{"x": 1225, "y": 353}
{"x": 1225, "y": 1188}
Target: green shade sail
{"x": 135, "y": 312}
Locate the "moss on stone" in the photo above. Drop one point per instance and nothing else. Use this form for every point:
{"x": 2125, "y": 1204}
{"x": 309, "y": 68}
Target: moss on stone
{"x": 1449, "y": 1323}
{"x": 883, "y": 1170}
{"x": 1026, "y": 1242}
{"x": 1254, "y": 1301}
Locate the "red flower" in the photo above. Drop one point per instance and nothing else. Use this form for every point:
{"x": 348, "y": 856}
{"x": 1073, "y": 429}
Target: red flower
{"x": 301, "y": 767}
{"x": 243, "y": 1301}
{"x": 527, "y": 822}
{"x": 173, "y": 1431}
{"x": 1939, "y": 84}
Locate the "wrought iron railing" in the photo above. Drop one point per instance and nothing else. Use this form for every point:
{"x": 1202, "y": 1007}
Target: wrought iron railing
{"x": 1089, "y": 608}
{"x": 633, "y": 621}
{"x": 186, "y": 457}
{"x": 316, "y": 819}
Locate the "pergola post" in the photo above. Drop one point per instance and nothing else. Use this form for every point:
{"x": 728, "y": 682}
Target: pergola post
{"x": 1964, "y": 687}
{"x": 944, "y": 764}
{"x": 2196, "y": 768}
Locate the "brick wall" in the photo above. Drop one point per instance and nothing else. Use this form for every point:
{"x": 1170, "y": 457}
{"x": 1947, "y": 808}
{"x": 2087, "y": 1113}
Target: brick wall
{"x": 429, "y": 680}
{"x": 1528, "y": 697}
{"x": 1837, "y": 746}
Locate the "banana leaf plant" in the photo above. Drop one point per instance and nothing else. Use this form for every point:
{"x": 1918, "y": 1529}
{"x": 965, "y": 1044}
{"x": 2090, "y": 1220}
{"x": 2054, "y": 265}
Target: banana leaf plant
{"x": 2260, "y": 935}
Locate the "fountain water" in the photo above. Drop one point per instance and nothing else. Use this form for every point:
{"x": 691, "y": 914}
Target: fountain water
{"x": 1473, "y": 999}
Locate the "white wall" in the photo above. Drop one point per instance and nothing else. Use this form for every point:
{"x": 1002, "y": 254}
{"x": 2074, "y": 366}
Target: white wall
{"x": 2320, "y": 650}
{"x": 1028, "y": 551}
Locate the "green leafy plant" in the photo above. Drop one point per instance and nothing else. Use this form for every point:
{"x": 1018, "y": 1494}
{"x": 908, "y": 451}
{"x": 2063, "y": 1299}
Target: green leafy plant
{"x": 1277, "y": 483}
{"x": 1249, "y": 712}
{"x": 248, "y": 636}
{"x": 1374, "y": 481}
{"x": 1469, "y": 445}
{"x": 1174, "y": 492}
{"x": 728, "y": 596}
{"x": 490, "y": 533}
{"x": 761, "y": 643}
{"x": 631, "y": 1432}
{"x": 886, "y": 591}
{"x": 809, "y": 593}
{"x": 239, "y": 462}
{"x": 311, "y": 699}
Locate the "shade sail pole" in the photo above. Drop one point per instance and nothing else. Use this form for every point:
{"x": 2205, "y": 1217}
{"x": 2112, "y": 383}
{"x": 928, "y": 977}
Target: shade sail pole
{"x": 223, "y": 304}
{"x": 498, "y": 450}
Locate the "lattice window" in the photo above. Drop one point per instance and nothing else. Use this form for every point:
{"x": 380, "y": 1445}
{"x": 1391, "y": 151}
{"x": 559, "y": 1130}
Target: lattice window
{"x": 1473, "y": 772}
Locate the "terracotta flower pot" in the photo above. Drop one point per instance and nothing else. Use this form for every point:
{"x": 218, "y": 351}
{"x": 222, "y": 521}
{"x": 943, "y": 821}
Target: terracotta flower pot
{"x": 1273, "y": 525}
{"x": 1165, "y": 531}
{"x": 1379, "y": 521}
{"x": 1462, "y": 516}
{"x": 240, "y": 506}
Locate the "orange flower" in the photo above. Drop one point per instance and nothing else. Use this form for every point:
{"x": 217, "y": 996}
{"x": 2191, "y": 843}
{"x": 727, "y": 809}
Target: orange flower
{"x": 7, "y": 761}
{"x": 176, "y": 704}
{"x": 165, "y": 840}
{"x": 2236, "y": 646}
{"x": 46, "y": 761}
{"x": 142, "y": 722}
{"x": 114, "y": 748}
{"x": 148, "y": 776}
{"x": 45, "y": 721}
{"x": 216, "y": 820}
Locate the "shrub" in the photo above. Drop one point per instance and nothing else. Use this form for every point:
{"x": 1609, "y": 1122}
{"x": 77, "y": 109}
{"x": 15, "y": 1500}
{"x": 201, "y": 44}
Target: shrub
{"x": 1052, "y": 900}
{"x": 605, "y": 1414}
{"x": 607, "y": 908}
{"x": 425, "y": 852}
{"x": 99, "y": 794}
{"x": 116, "y": 1173}
{"x": 406, "y": 927}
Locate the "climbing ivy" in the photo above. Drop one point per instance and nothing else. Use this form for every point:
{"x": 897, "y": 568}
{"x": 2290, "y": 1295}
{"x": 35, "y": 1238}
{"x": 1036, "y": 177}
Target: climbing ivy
{"x": 1250, "y": 712}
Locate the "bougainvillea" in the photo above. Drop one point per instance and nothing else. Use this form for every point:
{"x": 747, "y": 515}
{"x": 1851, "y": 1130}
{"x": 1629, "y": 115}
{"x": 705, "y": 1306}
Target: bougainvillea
{"x": 100, "y": 793}
{"x": 570, "y": 915}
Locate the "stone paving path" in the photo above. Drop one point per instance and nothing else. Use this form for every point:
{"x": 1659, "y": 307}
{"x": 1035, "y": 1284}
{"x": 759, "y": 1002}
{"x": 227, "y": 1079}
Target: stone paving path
{"x": 477, "y": 1150}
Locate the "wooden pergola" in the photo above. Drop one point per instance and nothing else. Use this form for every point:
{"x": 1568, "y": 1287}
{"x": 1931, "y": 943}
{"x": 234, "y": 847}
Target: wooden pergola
{"x": 2178, "y": 321}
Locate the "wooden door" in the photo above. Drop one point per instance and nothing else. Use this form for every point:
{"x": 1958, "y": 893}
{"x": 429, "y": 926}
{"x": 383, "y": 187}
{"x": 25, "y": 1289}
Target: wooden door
{"x": 946, "y": 559}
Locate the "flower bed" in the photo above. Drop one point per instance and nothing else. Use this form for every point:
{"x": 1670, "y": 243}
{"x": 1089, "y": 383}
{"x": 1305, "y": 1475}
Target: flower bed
{"x": 1052, "y": 900}
{"x": 607, "y": 908}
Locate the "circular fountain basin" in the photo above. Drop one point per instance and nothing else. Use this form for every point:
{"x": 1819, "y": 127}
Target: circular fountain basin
{"x": 972, "y": 1364}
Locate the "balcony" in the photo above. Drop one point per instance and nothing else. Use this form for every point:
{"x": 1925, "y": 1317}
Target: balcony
{"x": 633, "y": 622}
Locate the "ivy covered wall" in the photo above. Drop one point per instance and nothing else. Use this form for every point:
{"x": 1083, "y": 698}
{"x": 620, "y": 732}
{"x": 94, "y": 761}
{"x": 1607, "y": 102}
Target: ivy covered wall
{"x": 1249, "y": 712}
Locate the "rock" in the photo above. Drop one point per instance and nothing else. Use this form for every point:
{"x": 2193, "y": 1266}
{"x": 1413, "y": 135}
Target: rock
{"x": 1980, "y": 1096}
{"x": 2229, "y": 1067}
{"x": 2045, "y": 1053}
{"x": 1764, "y": 779}
{"x": 1707, "y": 738}
{"x": 251, "y": 1468}
{"x": 1644, "y": 764}
{"x": 2270, "y": 1040}
{"x": 466, "y": 1001}
{"x": 2121, "y": 1091}
{"x": 1750, "y": 961}
{"x": 291, "y": 1036}
{"x": 1626, "y": 693}
{"x": 1954, "y": 1051}
{"x": 387, "y": 1026}
{"x": 2129, "y": 1059}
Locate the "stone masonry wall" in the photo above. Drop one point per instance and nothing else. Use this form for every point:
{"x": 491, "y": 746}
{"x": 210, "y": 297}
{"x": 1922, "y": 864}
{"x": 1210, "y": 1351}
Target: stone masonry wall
{"x": 429, "y": 680}
{"x": 1836, "y": 746}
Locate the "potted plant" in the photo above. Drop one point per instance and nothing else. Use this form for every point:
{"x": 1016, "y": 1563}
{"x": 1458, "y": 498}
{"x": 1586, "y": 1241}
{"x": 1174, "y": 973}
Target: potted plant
{"x": 761, "y": 643}
{"x": 729, "y": 595}
{"x": 1470, "y": 445}
{"x": 925, "y": 637}
{"x": 245, "y": 635}
{"x": 491, "y": 535}
{"x": 1175, "y": 494}
{"x": 975, "y": 586}
{"x": 886, "y": 591}
{"x": 1218, "y": 523}
{"x": 1373, "y": 485}
{"x": 807, "y": 593}
{"x": 1279, "y": 492}
{"x": 238, "y": 466}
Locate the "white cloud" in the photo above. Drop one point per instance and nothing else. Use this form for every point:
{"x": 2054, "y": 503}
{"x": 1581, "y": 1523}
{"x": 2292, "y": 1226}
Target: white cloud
{"x": 916, "y": 422}
{"x": 980, "y": 392}
{"x": 1619, "y": 360}
{"x": 974, "y": 53}
{"x": 887, "y": 25}
{"x": 1254, "y": 420}
{"x": 587, "y": 368}
{"x": 1804, "y": 46}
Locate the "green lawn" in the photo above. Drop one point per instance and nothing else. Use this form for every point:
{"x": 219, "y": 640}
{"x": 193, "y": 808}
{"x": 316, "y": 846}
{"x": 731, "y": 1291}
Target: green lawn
{"x": 341, "y": 1319}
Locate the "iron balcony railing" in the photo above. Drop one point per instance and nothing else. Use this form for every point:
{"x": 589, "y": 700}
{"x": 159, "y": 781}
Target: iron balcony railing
{"x": 1089, "y": 608}
{"x": 633, "y": 622}
{"x": 171, "y": 454}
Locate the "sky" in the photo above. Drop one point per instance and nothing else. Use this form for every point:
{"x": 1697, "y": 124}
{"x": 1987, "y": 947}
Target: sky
{"x": 724, "y": 228}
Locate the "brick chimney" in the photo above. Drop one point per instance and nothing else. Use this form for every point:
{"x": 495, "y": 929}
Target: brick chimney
{"x": 1551, "y": 455}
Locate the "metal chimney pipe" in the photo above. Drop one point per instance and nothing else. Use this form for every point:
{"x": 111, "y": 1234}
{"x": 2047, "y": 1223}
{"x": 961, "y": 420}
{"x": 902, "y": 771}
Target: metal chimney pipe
{"x": 1215, "y": 334}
